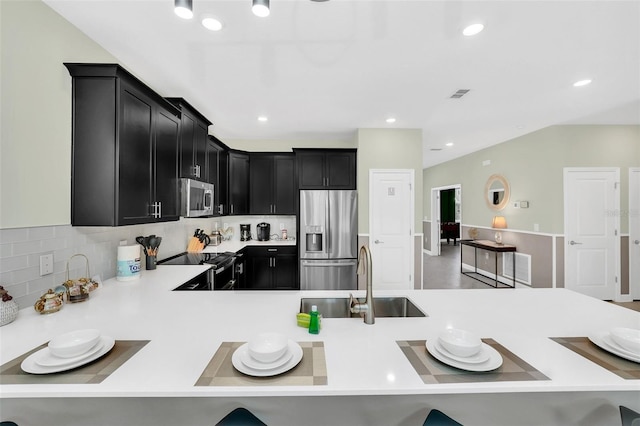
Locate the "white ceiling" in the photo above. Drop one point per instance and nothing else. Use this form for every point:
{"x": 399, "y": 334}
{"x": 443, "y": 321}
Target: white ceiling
{"x": 321, "y": 70}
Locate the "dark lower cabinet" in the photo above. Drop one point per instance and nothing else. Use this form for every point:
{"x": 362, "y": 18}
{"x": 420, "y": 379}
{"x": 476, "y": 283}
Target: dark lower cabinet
{"x": 271, "y": 268}
{"x": 124, "y": 149}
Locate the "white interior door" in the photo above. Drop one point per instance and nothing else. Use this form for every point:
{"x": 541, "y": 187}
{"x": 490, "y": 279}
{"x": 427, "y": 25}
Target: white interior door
{"x": 391, "y": 217}
{"x": 634, "y": 232}
{"x": 591, "y": 223}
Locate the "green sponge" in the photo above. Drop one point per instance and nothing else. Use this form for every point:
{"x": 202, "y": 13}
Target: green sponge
{"x": 303, "y": 320}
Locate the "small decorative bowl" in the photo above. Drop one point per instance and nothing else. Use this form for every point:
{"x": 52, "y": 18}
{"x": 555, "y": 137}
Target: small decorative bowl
{"x": 74, "y": 343}
{"x": 460, "y": 342}
{"x": 268, "y": 347}
{"x": 628, "y": 338}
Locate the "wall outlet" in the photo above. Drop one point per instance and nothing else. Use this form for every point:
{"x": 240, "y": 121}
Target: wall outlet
{"x": 281, "y": 226}
{"x": 486, "y": 256}
{"x": 123, "y": 242}
{"x": 536, "y": 227}
{"x": 46, "y": 264}
{"x": 486, "y": 162}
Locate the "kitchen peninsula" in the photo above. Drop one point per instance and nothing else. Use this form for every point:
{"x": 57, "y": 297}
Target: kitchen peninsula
{"x": 370, "y": 381}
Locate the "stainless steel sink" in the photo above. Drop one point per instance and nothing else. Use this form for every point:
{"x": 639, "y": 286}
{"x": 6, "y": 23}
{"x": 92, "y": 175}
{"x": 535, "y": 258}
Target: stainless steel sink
{"x": 336, "y": 307}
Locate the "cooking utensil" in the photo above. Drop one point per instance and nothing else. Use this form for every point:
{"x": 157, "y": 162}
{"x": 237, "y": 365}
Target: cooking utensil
{"x": 143, "y": 242}
{"x": 150, "y": 244}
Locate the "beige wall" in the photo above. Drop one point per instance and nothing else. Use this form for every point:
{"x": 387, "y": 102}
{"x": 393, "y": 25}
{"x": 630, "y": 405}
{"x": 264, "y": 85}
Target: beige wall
{"x": 533, "y": 164}
{"x": 35, "y": 137}
{"x": 388, "y": 149}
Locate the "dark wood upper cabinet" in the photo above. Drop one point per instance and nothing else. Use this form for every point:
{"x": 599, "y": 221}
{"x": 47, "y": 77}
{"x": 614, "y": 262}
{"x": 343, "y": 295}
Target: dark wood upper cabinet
{"x": 194, "y": 131}
{"x": 124, "y": 149}
{"x": 326, "y": 168}
{"x": 238, "y": 194}
{"x": 217, "y": 158}
{"x": 272, "y": 187}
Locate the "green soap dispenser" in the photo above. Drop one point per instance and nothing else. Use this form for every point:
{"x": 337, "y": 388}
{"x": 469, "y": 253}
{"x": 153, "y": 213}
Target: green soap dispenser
{"x": 314, "y": 323}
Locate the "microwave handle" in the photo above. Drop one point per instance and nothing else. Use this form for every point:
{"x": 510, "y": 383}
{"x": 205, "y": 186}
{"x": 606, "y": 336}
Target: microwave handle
{"x": 208, "y": 205}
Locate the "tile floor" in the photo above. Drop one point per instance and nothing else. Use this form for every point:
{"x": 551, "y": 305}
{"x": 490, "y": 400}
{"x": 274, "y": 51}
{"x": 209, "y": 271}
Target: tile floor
{"x": 443, "y": 272}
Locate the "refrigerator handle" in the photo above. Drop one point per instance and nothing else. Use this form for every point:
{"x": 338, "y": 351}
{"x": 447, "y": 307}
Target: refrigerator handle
{"x": 327, "y": 227}
{"x": 325, "y": 264}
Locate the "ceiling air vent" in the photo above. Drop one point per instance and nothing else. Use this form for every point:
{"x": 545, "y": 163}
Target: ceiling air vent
{"x": 460, "y": 93}
{"x": 435, "y": 149}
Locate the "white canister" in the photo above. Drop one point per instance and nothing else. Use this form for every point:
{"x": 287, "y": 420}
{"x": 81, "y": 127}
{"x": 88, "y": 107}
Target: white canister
{"x": 128, "y": 263}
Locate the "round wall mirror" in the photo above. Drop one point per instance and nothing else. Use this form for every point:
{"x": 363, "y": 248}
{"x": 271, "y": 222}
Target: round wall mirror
{"x": 497, "y": 192}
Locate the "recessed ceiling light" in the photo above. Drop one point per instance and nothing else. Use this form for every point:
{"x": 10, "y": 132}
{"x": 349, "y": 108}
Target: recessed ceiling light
{"x": 449, "y": 144}
{"x": 582, "y": 83}
{"x": 212, "y": 24}
{"x": 473, "y": 29}
{"x": 184, "y": 8}
{"x": 391, "y": 120}
{"x": 263, "y": 119}
{"x": 260, "y": 8}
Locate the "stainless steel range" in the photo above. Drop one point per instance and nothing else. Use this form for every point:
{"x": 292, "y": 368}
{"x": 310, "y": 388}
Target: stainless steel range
{"x": 221, "y": 275}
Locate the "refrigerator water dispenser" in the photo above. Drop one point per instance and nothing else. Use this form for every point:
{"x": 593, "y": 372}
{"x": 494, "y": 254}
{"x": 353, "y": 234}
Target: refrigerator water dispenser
{"x": 314, "y": 242}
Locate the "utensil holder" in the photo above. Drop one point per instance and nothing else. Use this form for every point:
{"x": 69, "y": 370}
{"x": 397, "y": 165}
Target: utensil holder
{"x": 151, "y": 262}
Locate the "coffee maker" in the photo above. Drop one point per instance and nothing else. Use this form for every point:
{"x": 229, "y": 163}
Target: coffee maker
{"x": 245, "y": 232}
{"x": 263, "y": 231}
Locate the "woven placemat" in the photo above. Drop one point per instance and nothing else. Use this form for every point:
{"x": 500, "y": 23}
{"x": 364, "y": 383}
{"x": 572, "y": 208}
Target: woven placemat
{"x": 432, "y": 371}
{"x": 311, "y": 371}
{"x": 94, "y": 372}
{"x": 583, "y": 346}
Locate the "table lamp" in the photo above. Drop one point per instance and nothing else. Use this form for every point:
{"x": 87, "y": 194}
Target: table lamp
{"x": 499, "y": 222}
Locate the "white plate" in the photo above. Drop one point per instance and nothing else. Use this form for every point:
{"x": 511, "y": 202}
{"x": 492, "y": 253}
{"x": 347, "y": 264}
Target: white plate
{"x": 257, "y": 365}
{"x": 604, "y": 341}
{"x": 478, "y": 358}
{"x": 494, "y": 361}
{"x": 294, "y": 349}
{"x": 47, "y": 359}
{"x": 29, "y": 365}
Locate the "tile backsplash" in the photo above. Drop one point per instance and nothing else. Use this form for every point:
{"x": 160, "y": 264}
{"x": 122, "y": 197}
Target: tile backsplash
{"x": 21, "y": 248}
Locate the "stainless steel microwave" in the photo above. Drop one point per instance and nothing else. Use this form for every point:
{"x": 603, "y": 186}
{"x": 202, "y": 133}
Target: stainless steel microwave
{"x": 196, "y": 198}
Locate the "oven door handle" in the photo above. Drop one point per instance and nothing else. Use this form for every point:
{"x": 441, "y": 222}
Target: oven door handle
{"x": 229, "y": 286}
{"x": 223, "y": 267}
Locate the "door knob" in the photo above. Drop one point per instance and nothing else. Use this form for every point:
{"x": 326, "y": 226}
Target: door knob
{"x": 573, "y": 243}
{"x": 379, "y": 242}
{"x": 637, "y": 242}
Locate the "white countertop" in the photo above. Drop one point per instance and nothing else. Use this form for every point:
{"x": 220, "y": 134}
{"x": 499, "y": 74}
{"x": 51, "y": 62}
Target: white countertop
{"x": 186, "y": 328}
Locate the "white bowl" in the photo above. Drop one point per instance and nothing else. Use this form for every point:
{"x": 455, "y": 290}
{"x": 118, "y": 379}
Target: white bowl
{"x": 268, "y": 347}
{"x": 74, "y": 343}
{"x": 628, "y": 338}
{"x": 460, "y": 342}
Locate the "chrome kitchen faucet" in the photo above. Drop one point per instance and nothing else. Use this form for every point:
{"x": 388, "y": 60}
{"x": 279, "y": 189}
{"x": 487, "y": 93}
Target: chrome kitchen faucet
{"x": 364, "y": 256}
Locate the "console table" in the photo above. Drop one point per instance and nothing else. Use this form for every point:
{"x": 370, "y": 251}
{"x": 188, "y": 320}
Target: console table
{"x": 489, "y": 246}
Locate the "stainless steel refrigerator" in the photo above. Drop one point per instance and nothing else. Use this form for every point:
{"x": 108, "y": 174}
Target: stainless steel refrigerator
{"x": 328, "y": 240}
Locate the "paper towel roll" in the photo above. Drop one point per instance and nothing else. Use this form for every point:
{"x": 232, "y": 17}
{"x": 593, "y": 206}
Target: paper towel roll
{"x": 128, "y": 263}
